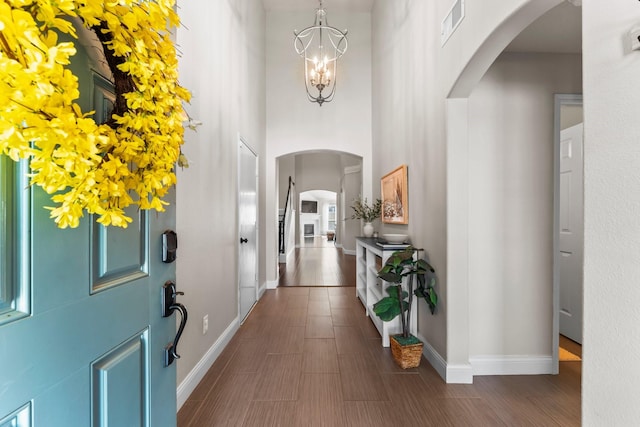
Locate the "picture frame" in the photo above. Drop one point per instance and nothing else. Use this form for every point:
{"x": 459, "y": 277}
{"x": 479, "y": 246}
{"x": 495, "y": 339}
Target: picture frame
{"x": 395, "y": 203}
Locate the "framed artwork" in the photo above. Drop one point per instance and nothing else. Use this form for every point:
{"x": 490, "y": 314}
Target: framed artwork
{"x": 395, "y": 207}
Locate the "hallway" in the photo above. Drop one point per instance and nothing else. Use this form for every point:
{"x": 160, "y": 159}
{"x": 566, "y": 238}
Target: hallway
{"x": 308, "y": 356}
{"x": 317, "y": 262}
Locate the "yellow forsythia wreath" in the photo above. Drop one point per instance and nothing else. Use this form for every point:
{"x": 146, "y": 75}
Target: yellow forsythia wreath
{"x": 97, "y": 168}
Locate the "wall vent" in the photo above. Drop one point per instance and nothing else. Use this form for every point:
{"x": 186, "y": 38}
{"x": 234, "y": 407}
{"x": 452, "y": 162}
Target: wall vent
{"x": 451, "y": 21}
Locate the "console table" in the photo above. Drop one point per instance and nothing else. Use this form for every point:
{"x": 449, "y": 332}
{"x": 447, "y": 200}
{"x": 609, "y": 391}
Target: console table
{"x": 370, "y": 257}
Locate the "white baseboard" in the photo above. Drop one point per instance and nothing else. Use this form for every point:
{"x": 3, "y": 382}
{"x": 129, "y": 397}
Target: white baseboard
{"x": 198, "y": 372}
{"x": 261, "y": 290}
{"x": 272, "y": 284}
{"x": 459, "y": 374}
{"x": 452, "y": 374}
{"x": 512, "y": 365}
{"x": 430, "y": 353}
{"x": 348, "y": 252}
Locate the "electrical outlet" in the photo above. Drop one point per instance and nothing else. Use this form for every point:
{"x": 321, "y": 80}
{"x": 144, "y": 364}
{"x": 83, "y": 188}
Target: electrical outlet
{"x": 205, "y": 324}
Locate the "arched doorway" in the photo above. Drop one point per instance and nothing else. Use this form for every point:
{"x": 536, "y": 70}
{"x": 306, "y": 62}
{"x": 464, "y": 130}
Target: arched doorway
{"x": 505, "y": 217}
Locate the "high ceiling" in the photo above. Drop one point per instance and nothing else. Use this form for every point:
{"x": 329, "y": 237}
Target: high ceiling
{"x": 312, "y": 5}
{"x": 557, "y": 31}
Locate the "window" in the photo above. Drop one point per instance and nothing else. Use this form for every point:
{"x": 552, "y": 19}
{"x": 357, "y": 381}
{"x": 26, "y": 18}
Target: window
{"x": 14, "y": 245}
{"x": 331, "y": 218}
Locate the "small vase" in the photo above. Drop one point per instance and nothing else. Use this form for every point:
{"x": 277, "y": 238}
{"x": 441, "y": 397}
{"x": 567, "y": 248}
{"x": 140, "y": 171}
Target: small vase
{"x": 368, "y": 229}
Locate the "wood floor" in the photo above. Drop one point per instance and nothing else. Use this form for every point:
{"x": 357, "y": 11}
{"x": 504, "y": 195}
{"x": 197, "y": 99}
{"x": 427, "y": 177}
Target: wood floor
{"x": 318, "y": 263}
{"x": 308, "y": 356}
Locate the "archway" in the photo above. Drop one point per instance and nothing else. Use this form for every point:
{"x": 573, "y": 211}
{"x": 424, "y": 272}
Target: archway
{"x": 330, "y": 170}
{"x": 460, "y": 248}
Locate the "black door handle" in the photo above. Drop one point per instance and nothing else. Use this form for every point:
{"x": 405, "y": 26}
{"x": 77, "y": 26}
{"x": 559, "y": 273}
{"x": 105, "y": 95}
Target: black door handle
{"x": 243, "y": 240}
{"x": 169, "y": 305}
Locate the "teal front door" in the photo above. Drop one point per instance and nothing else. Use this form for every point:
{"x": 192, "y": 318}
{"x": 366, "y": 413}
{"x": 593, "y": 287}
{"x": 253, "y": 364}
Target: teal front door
{"x": 81, "y": 335}
{"x": 82, "y": 338}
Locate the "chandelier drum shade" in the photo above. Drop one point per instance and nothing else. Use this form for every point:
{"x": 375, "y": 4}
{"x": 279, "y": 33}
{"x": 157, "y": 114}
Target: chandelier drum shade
{"x": 320, "y": 45}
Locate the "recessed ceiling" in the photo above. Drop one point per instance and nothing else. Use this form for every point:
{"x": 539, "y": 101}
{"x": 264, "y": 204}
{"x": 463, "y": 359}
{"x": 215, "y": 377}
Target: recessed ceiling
{"x": 312, "y": 5}
{"x": 557, "y": 31}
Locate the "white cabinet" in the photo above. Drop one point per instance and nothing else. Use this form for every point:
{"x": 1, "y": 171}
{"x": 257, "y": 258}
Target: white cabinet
{"x": 370, "y": 257}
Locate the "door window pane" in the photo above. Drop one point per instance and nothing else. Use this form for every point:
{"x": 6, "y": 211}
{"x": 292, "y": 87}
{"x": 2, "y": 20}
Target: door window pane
{"x": 7, "y": 282}
{"x": 14, "y": 240}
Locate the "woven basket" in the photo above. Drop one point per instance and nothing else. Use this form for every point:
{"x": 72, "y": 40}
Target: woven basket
{"x": 407, "y": 356}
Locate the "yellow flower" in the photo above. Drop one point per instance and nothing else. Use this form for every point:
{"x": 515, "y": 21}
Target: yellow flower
{"x": 91, "y": 167}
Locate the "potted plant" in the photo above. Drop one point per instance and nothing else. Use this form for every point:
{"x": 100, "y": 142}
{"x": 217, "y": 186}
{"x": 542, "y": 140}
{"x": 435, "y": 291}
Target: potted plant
{"x": 361, "y": 210}
{"x": 406, "y": 348}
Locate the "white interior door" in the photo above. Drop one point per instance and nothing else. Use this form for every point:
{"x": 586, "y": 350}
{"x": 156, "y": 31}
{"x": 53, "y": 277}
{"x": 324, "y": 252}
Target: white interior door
{"x": 571, "y": 232}
{"x": 247, "y": 216}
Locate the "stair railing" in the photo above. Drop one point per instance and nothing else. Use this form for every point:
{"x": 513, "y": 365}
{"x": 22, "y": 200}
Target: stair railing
{"x": 282, "y": 219}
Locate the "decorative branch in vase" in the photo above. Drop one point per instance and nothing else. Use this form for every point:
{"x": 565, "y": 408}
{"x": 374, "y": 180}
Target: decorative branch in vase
{"x": 362, "y": 210}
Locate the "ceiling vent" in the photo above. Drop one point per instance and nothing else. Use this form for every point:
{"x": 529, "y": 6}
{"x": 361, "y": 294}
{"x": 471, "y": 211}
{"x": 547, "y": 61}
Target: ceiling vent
{"x": 451, "y": 21}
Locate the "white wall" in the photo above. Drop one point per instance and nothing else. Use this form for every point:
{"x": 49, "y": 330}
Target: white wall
{"x": 511, "y": 159}
{"x": 295, "y": 124}
{"x": 286, "y": 168}
{"x": 408, "y": 128}
{"x": 318, "y": 171}
{"x": 611, "y": 368}
{"x": 222, "y": 63}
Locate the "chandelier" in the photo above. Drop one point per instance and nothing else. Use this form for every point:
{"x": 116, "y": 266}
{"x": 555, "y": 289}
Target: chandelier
{"x": 320, "y": 45}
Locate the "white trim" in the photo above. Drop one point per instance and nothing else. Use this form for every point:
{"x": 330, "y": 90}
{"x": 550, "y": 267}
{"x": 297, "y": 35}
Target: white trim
{"x": 352, "y": 169}
{"x": 434, "y": 358}
{"x": 459, "y": 374}
{"x": 272, "y": 284}
{"x": 512, "y": 365}
{"x": 261, "y": 290}
{"x": 457, "y": 302}
{"x": 198, "y": 372}
{"x": 452, "y": 374}
{"x": 348, "y": 252}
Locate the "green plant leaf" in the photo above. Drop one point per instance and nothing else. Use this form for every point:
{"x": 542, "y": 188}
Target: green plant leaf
{"x": 387, "y": 308}
{"x": 428, "y": 293}
{"x": 392, "y": 291}
{"x": 390, "y": 277}
{"x": 384, "y": 304}
{"x": 424, "y": 265}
